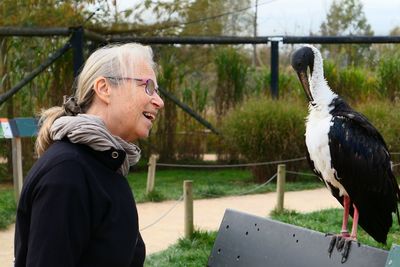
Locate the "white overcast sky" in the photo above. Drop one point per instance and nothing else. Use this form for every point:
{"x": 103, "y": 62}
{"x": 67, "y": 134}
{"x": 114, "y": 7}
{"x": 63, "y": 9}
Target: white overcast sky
{"x": 298, "y": 17}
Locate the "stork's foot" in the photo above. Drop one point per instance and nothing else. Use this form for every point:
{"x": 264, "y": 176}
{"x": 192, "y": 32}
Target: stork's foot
{"x": 342, "y": 243}
{"x": 346, "y": 249}
{"x": 332, "y": 244}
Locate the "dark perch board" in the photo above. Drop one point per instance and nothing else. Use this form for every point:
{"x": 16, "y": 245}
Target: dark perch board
{"x": 251, "y": 241}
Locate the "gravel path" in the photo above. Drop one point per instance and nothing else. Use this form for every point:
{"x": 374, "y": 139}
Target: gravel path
{"x": 208, "y": 214}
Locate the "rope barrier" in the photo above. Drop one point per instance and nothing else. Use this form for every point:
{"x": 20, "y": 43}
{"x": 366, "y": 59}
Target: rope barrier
{"x": 232, "y": 165}
{"x": 302, "y": 173}
{"x": 181, "y": 198}
{"x": 259, "y": 186}
{"x": 162, "y": 216}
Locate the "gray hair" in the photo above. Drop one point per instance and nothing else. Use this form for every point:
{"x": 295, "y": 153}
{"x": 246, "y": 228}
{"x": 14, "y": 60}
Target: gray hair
{"x": 119, "y": 60}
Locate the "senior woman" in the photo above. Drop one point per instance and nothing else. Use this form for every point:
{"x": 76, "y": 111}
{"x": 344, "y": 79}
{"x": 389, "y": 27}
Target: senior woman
{"x": 76, "y": 207}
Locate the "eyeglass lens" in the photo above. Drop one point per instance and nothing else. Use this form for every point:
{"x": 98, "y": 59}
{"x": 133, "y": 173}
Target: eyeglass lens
{"x": 150, "y": 87}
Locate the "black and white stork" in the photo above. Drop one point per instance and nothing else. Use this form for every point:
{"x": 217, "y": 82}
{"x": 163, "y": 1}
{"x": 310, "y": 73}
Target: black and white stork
{"x": 348, "y": 154}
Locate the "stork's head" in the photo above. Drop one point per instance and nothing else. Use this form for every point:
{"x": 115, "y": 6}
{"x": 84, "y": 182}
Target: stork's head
{"x": 303, "y": 64}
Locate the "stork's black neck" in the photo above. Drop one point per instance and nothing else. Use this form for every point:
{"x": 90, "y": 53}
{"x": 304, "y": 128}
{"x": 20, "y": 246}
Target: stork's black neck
{"x": 339, "y": 105}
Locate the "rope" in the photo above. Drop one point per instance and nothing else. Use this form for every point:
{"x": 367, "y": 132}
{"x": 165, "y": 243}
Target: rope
{"x": 245, "y": 192}
{"x": 181, "y": 198}
{"x": 395, "y": 153}
{"x": 302, "y": 173}
{"x": 395, "y": 165}
{"x": 230, "y": 166}
{"x": 162, "y": 216}
{"x": 261, "y": 185}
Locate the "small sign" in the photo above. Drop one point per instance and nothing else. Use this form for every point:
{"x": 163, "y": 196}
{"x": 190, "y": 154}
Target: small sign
{"x": 25, "y": 127}
{"x": 18, "y": 127}
{"x": 5, "y": 129}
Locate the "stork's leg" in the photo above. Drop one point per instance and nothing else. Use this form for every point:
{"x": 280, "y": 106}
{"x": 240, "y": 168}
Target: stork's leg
{"x": 339, "y": 240}
{"x": 355, "y": 223}
{"x": 353, "y": 236}
{"x": 344, "y": 233}
{"x": 346, "y": 206}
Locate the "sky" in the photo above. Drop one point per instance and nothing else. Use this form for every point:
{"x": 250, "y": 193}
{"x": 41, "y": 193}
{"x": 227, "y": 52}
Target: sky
{"x": 299, "y": 17}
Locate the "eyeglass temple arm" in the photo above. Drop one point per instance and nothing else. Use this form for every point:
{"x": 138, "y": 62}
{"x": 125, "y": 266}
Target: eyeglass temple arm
{"x": 188, "y": 110}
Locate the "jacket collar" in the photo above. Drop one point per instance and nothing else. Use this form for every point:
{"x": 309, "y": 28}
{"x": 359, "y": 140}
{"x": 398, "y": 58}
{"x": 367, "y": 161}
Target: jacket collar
{"x": 112, "y": 158}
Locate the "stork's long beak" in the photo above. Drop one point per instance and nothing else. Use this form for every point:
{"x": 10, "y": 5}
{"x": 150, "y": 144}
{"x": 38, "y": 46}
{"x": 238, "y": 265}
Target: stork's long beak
{"x": 303, "y": 77}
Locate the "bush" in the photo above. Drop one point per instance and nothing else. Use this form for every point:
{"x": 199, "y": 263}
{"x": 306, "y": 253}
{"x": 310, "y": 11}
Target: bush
{"x": 266, "y": 130}
{"x": 288, "y": 83}
{"x": 352, "y": 83}
{"x": 385, "y": 116}
{"x": 389, "y": 76}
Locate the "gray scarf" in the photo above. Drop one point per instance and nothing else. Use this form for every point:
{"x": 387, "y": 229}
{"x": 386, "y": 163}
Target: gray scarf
{"x": 90, "y": 130}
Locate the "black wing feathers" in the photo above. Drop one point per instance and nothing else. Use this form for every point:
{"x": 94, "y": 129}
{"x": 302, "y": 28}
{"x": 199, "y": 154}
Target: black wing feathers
{"x": 362, "y": 162}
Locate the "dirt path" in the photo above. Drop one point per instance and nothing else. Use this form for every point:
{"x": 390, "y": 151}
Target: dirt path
{"x": 208, "y": 214}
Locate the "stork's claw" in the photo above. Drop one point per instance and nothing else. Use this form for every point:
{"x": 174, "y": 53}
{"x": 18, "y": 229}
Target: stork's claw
{"x": 346, "y": 250}
{"x": 340, "y": 243}
{"x": 332, "y": 245}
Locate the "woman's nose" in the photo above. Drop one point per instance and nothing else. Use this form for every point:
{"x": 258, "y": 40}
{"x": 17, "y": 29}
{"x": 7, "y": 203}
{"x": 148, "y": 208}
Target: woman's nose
{"x": 157, "y": 101}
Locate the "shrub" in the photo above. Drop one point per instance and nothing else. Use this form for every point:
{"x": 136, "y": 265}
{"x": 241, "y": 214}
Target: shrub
{"x": 232, "y": 72}
{"x": 352, "y": 83}
{"x": 385, "y": 116}
{"x": 388, "y": 72}
{"x": 266, "y": 130}
{"x": 288, "y": 83}
{"x": 355, "y": 84}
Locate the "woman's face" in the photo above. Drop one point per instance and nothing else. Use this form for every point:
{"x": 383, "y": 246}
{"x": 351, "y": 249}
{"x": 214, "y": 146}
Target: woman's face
{"x": 132, "y": 111}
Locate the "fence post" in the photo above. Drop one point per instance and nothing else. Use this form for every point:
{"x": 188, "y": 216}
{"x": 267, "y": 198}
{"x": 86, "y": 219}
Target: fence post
{"x": 151, "y": 174}
{"x": 280, "y": 187}
{"x": 188, "y": 200}
{"x": 17, "y": 166}
{"x": 77, "y": 46}
{"x": 275, "y": 69}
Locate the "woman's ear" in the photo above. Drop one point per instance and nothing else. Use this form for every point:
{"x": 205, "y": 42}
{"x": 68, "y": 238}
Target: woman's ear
{"x": 102, "y": 89}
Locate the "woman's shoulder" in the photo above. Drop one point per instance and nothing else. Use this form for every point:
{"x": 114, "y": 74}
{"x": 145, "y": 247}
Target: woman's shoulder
{"x": 59, "y": 154}
{"x": 64, "y": 150}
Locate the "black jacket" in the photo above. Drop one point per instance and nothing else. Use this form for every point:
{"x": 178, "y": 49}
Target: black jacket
{"x": 76, "y": 210}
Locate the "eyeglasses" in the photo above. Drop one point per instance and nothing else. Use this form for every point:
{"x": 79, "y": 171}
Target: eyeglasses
{"x": 150, "y": 87}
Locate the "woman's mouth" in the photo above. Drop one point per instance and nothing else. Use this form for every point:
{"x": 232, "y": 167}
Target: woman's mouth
{"x": 149, "y": 116}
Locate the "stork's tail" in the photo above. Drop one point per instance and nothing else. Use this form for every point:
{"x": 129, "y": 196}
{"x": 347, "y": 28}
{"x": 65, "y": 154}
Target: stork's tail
{"x": 396, "y": 187}
{"x": 397, "y": 206}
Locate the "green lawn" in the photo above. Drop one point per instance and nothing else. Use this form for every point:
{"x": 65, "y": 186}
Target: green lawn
{"x": 208, "y": 183}
{"x": 7, "y": 207}
{"x": 330, "y": 221}
{"x": 185, "y": 253}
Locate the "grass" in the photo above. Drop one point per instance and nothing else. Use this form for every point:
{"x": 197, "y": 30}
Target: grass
{"x": 187, "y": 252}
{"x": 7, "y": 208}
{"x": 208, "y": 183}
{"x": 330, "y": 221}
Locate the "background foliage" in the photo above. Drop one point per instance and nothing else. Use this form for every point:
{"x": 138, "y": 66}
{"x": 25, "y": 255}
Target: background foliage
{"x": 221, "y": 83}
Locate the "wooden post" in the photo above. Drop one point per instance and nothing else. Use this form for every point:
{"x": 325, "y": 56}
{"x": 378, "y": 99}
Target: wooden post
{"x": 151, "y": 174}
{"x": 188, "y": 199}
{"x": 280, "y": 187}
{"x": 17, "y": 166}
